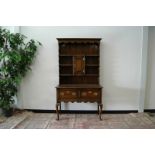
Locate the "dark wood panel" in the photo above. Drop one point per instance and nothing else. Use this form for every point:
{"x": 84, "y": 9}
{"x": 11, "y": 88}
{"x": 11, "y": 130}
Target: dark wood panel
{"x": 79, "y": 65}
{"x": 79, "y": 40}
{"x": 66, "y": 70}
{"x": 67, "y": 94}
{"x": 66, "y": 60}
{"x": 79, "y": 86}
{"x": 90, "y": 94}
{"x": 69, "y": 79}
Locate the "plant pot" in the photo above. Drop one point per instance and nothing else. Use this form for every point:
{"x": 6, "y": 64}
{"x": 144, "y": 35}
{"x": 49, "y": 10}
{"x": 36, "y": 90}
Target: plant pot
{"x": 8, "y": 113}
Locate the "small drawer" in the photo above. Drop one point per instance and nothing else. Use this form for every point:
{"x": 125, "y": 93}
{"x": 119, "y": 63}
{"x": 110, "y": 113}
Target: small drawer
{"x": 67, "y": 94}
{"x": 90, "y": 94}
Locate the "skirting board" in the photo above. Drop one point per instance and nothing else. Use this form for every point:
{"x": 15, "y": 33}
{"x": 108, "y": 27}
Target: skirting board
{"x": 83, "y": 111}
{"x": 90, "y": 111}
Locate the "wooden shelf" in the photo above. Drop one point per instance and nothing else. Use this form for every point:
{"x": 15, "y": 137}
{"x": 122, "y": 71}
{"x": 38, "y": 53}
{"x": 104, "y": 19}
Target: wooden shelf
{"x": 62, "y": 55}
{"x": 66, "y": 74}
{"x": 79, "y": 86}
{"x": 79, "y": 75}
{"x": 92, "y": 65}
{"x": 96, "y": 55}
{"x": 91, "y": 75}
{"x": 70, "y": 65}
{"x": 65, "y": 55}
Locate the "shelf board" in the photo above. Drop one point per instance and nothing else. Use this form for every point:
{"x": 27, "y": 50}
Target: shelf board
{"x": 65, "y": 64}
{"x": 79, "y": 75}
{"x": 66, "y": 55}
{"x": 96, "y": 55}
{"x": 66, "y": 74}
{"x": 92, "y": 65}
{"x": 78, "y": 55}
{"x": 79, "y": 86}
{"x": 91, "y": 74}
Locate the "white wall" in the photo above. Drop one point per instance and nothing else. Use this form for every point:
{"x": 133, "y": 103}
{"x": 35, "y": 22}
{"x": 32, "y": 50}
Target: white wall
{"x": 120, "y": 67}
{"x": 13, "y": 29}
{"x": 143, "y": 69}
{"x": 150, "y": 90}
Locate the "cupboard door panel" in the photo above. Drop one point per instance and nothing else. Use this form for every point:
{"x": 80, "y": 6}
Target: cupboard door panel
{"x": 79, "y": 65}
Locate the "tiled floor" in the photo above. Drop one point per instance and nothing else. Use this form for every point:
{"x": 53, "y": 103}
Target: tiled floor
{"x": 29, "y": 120}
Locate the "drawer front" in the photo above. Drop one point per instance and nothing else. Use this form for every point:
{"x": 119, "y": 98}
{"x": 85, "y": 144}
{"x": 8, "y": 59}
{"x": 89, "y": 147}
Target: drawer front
{"x": 90, "y": 94}
{"x": 67, "y": 94}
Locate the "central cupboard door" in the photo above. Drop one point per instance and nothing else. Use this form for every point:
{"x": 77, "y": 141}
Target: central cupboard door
{"x": 78, "y": 65}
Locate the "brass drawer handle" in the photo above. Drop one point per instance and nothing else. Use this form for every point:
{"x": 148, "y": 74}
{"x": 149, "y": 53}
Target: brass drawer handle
{"x": 95, "y": 94}
{"x": 73, "y": 93}
{"x": 62, "y": 93}
{"x": 84, "y": 93}
{"x": 90, "y": 92}
{"x": 67, "y": 92}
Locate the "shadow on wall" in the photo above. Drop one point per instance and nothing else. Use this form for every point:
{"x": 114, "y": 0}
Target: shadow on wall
{"x": 118, "y": 79}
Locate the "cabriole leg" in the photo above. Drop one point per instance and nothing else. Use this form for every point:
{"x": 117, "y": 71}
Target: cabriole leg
{"x": 98, "y": 108}
{"x": 100, "y": 111}
{"x": 57, "y": 110}
{"x": 60, "y": 108}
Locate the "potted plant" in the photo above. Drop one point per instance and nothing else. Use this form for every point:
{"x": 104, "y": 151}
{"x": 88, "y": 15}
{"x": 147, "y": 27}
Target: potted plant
{"x": 16, "y": 56}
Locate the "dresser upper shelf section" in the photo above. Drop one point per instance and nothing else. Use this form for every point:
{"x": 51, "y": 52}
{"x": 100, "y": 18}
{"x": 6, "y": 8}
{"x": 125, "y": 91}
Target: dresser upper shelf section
{"x": 79, "y": 46}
